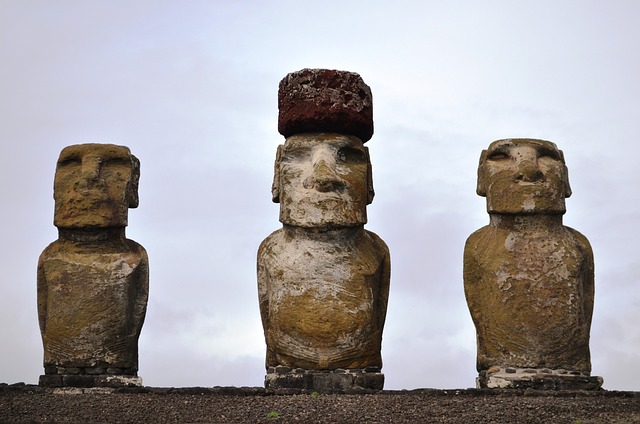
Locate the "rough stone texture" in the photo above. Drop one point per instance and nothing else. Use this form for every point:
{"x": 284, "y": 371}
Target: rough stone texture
{"x": 538, "y": 379}
{"x": 95, "y": 185}
{"x": 32, "y": 404}
{"x": 92, "y": 281}
{"x": 280, "y": 380}
{"x": 323, "y": 280}
{"x": 528, "y": 279}
{"x": 326, "y": 100}
{"x": 102, "y": 380}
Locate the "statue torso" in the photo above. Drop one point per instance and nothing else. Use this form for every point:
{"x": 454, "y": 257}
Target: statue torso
{"x": 531, "y": 296}
{"x": 92, "y": 305}
{"x": 324, "y": 298}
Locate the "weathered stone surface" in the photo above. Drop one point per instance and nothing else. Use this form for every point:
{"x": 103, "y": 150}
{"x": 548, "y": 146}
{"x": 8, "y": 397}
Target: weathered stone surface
{"x": 323, "y": 180}
{"x": 95, "y": 185}
{"x": 537, "y": 379}
{"x": 323, "y": 297}
{"x": 93, "y": 281}
{"x": 323, "y": 280}
{"x": 112, "y": 381}
{"x": 529, "y": 280}
{"x": 324, "y": 381}
{"x": 325, "y": 100}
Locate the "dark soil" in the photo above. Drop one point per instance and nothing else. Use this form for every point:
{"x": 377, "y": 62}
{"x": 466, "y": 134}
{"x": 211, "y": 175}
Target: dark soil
{"x": 24, "y": 403}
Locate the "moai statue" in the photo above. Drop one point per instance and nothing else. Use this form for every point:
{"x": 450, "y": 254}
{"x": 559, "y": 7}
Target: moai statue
{"x": 93, "y": 282}
{"x": 528, "y": 279}
{"x": 323, "y": 280}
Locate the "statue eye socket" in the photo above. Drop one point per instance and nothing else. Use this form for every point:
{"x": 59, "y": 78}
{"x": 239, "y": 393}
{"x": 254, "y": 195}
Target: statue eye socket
{"x": 351, "y": 155}
{"x": 547, "y": 153}
{"x": 69, "y": 160}
{"x": 498, "y": 156}
{"x": 295, "y": 153}
{"x": 117, "y": 161}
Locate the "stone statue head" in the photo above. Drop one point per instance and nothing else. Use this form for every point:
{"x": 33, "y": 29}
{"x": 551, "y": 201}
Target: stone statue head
{"x": 323, "y": 174}
{"x": 323, "y": 180}
{"x": 94, "y": 186}
{"x": 523, "y": 176}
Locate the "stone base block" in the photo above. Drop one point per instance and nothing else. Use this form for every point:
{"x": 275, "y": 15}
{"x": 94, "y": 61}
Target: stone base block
{"x": 537, "y": 378}
{"x": 287, "y": 380}
{"x": 85, "y": 380}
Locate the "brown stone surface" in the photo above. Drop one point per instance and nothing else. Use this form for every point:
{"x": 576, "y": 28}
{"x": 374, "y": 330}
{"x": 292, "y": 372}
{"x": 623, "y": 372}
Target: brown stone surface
{"x": 538, "y": 378}
{"x": 325, "y": 100}
{"x": 288, "y": 381}
{"x": 95, "y": 185}
{"x": 323, "y": 280}
{"x": 529, "y": 280}
{"x": 323, "y": 180}
{"x": 93, "y": 281}
{"x": 250, "y": 405}
{"x": 323, "y": 298}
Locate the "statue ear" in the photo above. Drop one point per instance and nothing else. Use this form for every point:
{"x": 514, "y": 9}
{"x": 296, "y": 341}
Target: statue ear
{"x": 132, "y": 187}
{"x": 565, "y": 176}
{"x": 481, "y": 189}
{"x": 275, "y": 186}
{"x": 370, "y": 191}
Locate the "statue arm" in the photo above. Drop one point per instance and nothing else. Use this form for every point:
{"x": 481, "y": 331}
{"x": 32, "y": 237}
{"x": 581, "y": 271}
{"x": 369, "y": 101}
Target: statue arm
{"x": 589, "y": 285}
{"x": 384, "y": 276}
{"x": 472, "y": 276}
{"x": 589, "y": 271}
{"x": 142, "y": 292}
{"x": 385, "y": 282}
{"x": 42, "y": 294}
{"x": 263, "y": 284}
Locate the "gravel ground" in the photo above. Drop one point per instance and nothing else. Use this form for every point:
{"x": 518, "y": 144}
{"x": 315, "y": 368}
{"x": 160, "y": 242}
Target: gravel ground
{"x": 32, "y": 404}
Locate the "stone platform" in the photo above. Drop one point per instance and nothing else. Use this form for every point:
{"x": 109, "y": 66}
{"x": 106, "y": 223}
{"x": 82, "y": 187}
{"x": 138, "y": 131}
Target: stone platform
{"x": 77, "y": 380}
{"x": 283, "y": 380}
{"x": 537, "y": 378}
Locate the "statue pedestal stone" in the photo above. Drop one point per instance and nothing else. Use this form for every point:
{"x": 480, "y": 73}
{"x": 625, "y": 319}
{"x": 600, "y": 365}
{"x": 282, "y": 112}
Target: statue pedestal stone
{"x": 536, "y": 378}
{"x": 89, "y": 380}
{"x": 283, "y": 379}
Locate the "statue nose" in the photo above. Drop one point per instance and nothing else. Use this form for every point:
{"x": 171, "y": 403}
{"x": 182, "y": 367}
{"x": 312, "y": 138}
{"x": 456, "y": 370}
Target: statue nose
{"x": 324, "y": 178}
{"x": 90, "y": 172}
{"x": 529, "y": 171}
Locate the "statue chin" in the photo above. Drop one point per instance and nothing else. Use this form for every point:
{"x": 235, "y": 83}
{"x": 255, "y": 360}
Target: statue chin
{"x": 324, "y": 221}
{"x": 526, "y": 206}
{"x": 96, "y": 220}
{"x": 327, "y": 212}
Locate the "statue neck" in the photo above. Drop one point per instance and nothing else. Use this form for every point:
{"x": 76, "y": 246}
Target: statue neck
{"x": 92, "y": 235}
{"x": 525, "y": 222}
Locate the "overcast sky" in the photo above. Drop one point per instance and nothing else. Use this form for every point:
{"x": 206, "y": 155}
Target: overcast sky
{"x": 191, "y": 88}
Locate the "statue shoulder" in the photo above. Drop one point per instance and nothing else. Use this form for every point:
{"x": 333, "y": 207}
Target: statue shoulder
{"x": 50, "y": 251}
{"x": 271, "y": 242}
{"x": 477, "y": 237}
{"x": 581, "y": 240}
{"x": 136, "y": 247}
{"x": 377, "y": 241}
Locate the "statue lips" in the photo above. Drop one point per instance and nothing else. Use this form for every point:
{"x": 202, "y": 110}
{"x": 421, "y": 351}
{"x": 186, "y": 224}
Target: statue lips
{"x": 93, "y": 196}
{"x": 328, "y": 202}
{"x": 331, "y": 196}
{"x": 528, "y": 183}
{"x": 515, "y": 184}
